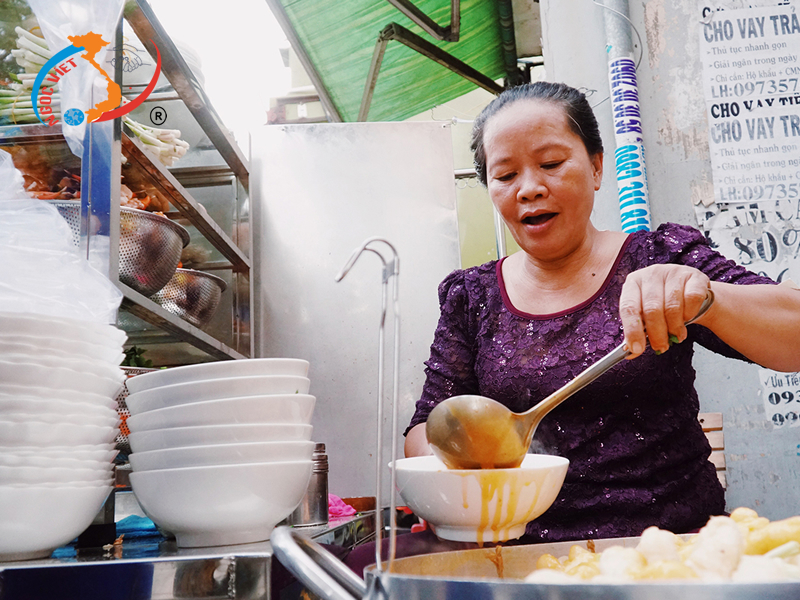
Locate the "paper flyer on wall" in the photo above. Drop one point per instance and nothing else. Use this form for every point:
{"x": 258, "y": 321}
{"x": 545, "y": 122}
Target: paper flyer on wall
{"x": 781, "y": 392}
{"x": 751, "y": 84}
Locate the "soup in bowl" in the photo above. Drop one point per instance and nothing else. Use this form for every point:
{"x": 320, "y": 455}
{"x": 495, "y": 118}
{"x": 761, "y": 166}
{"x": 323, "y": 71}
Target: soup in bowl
{"x": 480, "y": 505}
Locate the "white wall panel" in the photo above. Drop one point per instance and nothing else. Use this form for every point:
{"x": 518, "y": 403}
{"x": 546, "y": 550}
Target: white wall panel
{"x": 318, "y": 192}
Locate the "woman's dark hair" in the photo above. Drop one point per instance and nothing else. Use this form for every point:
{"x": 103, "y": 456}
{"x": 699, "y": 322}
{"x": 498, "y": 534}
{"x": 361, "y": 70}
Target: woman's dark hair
{"x": 580, "y": 117}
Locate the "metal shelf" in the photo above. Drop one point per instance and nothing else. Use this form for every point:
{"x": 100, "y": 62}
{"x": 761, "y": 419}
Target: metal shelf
{"x": 154, "y": 567}
{"x": 159, "y": 176}
{"x": 149, "y": 30}
{"x": 171, "y": 185}
{"x": 143, "y": 307}
{"x": 30, "y": 134}
{"x": 188, "y": 208}
{"x": 101, "y": 171}
{"x": 181, "y": 199}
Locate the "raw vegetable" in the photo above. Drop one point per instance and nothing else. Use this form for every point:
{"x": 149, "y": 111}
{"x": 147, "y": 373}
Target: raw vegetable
{"x": 164, "y": 143}
{"x": 134, "y": 358}
{"x": 15, "y": 101}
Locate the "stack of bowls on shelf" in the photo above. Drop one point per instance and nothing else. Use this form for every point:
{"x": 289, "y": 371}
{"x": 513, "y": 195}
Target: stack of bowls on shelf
{"x": 58, "y": 381}
{"x": 221, "y": 452}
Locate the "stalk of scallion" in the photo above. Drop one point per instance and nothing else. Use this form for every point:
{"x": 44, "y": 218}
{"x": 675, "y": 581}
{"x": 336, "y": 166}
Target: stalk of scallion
{"x": 26, "y": 44}
{"x": 33, "y": 38}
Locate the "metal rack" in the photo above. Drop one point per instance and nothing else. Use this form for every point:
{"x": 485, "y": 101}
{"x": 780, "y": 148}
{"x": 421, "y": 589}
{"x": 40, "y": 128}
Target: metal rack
{"x": 148, "y": 323}
{"x": 189, "y": 209}
{"x": 145, "y": 24}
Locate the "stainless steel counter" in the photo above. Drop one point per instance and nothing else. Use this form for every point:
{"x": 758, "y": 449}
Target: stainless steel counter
{"x": 154, "y": 568}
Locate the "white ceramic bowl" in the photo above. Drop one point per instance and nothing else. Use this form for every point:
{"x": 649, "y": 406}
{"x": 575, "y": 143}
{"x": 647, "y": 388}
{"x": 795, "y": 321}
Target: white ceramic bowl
{"x": 60, "y": 347}
{"x": 226, "y": 369}
{"x": 480, "y": 505}
{"x": 66, "y": 476}
{"x": 49, "y": 393}
{"x": 60, "y": 462}
{"x": 78, "y": 364}
{"x": 58, "y": 378}
{"x": 221, "y": 454}
{"x": 14, "y": 324}
{"x": 107, "y": 420}
{"x": 213, "y": 389}
{"x": 35, "y": 520}
{"x": 10, "y": 403}
{"x": 285, "y": 408}
{"x": 94, "y": 453}
{"x": 182, "y": 437}
{"x": 221, "y": 505}
{"x": 38, "y": 434}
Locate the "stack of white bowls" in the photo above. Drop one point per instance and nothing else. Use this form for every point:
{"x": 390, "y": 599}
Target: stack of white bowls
{"x": 59, "y": 379}
{"x": 221, "y": 451}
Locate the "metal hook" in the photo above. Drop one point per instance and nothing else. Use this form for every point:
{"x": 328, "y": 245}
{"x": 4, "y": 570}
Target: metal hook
{"x": 391, "y": 267}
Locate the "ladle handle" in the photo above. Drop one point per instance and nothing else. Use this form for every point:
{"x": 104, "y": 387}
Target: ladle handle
{"x": 709, "y": 300}
{"x": 586, "y": 377}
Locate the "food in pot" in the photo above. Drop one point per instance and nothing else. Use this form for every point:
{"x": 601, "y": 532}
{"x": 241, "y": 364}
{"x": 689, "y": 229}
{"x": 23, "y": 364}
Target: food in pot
{"x": 741, "y": 548}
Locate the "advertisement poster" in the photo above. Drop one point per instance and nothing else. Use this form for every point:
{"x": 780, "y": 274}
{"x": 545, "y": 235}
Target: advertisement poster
{"x": 751, "y": 84}
{"x": 781, "y": 393}
{"x": 751, "y": 81}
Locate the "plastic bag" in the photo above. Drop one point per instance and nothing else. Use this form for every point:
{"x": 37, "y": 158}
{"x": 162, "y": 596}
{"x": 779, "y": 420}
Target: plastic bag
{"x": 58, "y": 21}
{"x": 40, "y": 270}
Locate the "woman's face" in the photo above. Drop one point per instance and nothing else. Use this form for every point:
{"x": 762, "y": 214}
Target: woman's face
{"x": 540, "y": 177}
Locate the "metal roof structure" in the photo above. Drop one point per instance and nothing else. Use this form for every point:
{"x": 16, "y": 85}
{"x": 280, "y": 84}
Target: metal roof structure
{"x": 387, "y": 60}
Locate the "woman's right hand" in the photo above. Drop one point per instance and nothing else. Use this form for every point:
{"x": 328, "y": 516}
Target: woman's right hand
{"x": 659, "y": 299}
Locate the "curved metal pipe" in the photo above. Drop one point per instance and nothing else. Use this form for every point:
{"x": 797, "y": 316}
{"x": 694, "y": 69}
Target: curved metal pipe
{"x": 391, "y": 267}
{"x": 629, "y": 156}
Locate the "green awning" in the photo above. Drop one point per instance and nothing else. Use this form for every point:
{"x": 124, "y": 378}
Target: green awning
{"x": 337, "y": 39}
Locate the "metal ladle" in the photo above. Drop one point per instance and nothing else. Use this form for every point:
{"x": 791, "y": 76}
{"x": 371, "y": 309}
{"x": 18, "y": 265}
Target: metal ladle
{"x": 475, "y": 432}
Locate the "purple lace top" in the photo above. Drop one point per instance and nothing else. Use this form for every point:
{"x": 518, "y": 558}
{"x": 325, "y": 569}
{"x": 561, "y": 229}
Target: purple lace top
{"x": 638, "y": 455}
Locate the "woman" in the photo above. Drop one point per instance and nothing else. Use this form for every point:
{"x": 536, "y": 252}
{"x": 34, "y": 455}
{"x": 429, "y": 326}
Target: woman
{"x": 517, "y": 329}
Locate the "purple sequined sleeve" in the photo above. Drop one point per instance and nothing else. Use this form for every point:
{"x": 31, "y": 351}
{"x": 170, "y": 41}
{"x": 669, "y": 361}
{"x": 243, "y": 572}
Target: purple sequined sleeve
{"x": 450, "y": 368}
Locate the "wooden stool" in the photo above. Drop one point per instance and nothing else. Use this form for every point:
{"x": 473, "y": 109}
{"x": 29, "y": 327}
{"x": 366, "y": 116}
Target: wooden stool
{"x": 712, "y": 427}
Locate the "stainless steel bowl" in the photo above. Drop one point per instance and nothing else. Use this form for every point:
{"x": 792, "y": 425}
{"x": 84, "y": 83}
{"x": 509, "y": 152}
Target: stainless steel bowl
{"x": 150, "y": 245}
{"x": 192, "y": 295}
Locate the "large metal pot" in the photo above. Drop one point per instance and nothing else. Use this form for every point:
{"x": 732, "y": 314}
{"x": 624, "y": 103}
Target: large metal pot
{"x": 487, "y": 574}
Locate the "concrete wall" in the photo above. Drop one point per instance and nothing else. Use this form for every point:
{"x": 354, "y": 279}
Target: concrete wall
{"x": 761, "y": 462}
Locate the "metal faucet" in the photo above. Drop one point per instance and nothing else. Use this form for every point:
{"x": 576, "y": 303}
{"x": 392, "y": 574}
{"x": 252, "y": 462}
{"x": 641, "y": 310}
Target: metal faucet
{"x": 391, "y": 268}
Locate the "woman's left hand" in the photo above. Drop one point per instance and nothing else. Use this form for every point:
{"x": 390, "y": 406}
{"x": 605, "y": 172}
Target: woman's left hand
{"x": 659, "y": 299}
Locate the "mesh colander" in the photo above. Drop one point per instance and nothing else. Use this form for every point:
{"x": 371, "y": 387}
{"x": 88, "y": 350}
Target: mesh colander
{"x": 149, "y": 245}
{"x": 192, "y": 295}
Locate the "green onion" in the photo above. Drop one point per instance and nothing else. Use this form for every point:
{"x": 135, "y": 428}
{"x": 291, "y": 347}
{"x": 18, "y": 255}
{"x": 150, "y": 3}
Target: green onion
{"x": 24, "y": 33}
{"x": 26, "y": 44}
